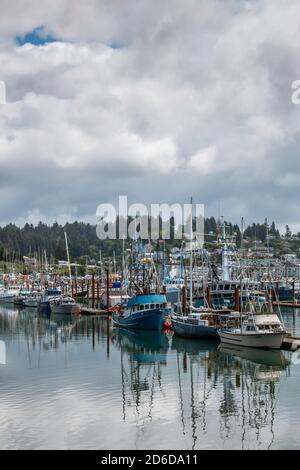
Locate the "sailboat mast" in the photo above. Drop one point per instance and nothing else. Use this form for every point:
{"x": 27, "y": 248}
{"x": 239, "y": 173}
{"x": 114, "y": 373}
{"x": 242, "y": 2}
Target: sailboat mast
{"x": 191, "y": 256}
{"x": 67, "y": 248}
{"x": 46, "y": 261}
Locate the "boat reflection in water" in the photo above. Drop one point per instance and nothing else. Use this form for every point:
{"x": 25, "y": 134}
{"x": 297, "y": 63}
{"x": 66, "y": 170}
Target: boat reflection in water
{"x": 272, "y": 358}
{"x": 231, "y": 387}
{"x": 155, "y": 389}
{"x": 40, "y": 332}
{"x": 143, "y": 354}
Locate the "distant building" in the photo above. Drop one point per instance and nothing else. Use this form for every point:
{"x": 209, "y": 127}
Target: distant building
{"x": 62, "y": 263}
{"x": 32, "y": 262}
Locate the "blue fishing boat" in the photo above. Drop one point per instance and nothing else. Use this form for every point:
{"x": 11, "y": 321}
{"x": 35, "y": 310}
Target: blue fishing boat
{"x": 143, "y": 312}
{"x": 44, "y": 304}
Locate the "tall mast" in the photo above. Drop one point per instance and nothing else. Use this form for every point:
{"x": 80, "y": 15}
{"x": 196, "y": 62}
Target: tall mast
{"x": 114, "y": 258}
{"x": 46, "y": 261}
{"x": 225, "y": 262}
{"x": 242, "y": 233}
{"x": 123, "y": 258}
{"x": 191, "y": 255}
{"x": 67, "y": 248}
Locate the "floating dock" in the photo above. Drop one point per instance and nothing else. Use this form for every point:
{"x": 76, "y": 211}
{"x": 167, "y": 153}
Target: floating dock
{"x": 286, "y": 303}
{"x": 94, "y": 311}
{"x": 291, "y": 343}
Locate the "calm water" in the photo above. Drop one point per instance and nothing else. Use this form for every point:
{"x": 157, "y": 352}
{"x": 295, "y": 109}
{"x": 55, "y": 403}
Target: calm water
{"x": 77, "y": 384}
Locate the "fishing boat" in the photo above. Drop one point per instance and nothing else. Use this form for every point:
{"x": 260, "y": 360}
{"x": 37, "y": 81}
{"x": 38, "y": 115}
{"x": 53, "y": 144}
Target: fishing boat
{"x": 198, "y": 325}
{"x": 32, "y": 300}
{"x": 21, "y": 297}
{"x": 144, "y": 312}
{"x": 8, "y": 294}
{"x": 44, "y": 302}
{"x": 64, "y": 305}
{"x": 257, "y": 330}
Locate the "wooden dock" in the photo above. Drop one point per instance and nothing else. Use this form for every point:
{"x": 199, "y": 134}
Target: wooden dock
{"x": 282, "y": 303}
{"x": 94, "y": 311}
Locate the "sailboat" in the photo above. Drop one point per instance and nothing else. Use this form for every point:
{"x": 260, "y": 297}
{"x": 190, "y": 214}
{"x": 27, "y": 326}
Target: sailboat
{"x": 65, "y": 304}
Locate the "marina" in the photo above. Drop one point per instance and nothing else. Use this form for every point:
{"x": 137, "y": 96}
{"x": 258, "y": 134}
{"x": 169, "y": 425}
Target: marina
{"x": 150, "y": 231}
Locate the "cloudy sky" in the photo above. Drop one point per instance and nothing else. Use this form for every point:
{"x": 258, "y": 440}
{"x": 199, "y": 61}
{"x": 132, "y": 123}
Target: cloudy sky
{"x": 158, "y": 100}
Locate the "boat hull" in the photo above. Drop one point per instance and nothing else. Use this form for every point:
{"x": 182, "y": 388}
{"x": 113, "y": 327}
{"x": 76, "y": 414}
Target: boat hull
{"x": 152, "y": 319}
{"x": 71, "y": 309}
{"x": 261, "y": 341}
{"x": 44, "y": 307}
{"x": 187, "y": 330}
{"x": 30, "y": 303}
{"x": 7, "y": 299}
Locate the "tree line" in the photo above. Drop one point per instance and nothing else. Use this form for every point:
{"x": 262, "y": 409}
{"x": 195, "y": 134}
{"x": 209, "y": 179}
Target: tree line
{"x": 31, "y": 240}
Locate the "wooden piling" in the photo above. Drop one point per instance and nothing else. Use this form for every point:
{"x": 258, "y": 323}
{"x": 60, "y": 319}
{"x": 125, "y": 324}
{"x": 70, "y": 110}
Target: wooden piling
{"x": 93, "y": 291}
{"x": 107, "y": 289}
{"x": 88, "y": 294}
{"x": 98, "y": 293}
{"x": 208, "y": 296}
{"x": 82, "y": 292}
{"x": 183, "y": 298}
{"x": 236, "y": 299}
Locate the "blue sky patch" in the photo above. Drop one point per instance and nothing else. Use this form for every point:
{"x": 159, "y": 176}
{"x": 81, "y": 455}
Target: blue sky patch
{"x": 115, "y": 45}
{"x": 37, "y": 37}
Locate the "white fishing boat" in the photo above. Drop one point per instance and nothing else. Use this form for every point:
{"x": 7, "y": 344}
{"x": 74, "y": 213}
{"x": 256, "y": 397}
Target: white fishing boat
{"x": 258, "y": 330}
{"x": 64, "y": 305}
{"x": 8, "y": 294}
{"x": 32, "y": 300}
{"x": 19, "y": 299}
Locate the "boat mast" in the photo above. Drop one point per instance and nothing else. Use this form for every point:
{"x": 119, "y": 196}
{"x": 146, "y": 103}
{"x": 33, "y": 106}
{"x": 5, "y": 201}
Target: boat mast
{"x": 242, "y": 234}
{"x": 191, "y": 256}
{"x": 46, "y": 261}
{"x": 225, "y": 254}
{"x": 67, "y": 248}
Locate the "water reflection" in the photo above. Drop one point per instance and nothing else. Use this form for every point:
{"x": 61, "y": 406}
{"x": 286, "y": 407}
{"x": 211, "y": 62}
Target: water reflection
{"x": 142, "y": 356}
{"x": 245, "y": 380}
{"x": 207, "y": 394}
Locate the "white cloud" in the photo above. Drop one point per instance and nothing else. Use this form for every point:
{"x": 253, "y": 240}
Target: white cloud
{"x": 197, "y": 99}
{"x": 204, "y": 161}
